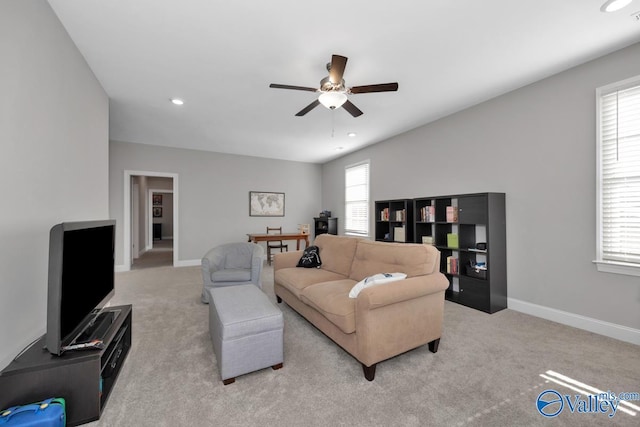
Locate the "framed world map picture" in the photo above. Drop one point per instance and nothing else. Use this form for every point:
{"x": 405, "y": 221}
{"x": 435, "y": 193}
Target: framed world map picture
{"x": 263, "y": 203}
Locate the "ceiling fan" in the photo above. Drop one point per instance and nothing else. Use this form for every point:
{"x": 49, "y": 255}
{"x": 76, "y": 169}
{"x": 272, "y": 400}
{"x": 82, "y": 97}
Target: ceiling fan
{"x": 333, "y": 91}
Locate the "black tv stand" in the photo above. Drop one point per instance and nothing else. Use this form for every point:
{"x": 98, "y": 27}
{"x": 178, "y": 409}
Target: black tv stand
{"x": 98, "y": 328}
{"x": 84, "y": 378}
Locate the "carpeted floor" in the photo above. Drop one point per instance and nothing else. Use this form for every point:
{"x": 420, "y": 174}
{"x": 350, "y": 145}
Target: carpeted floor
{"x": 486, "y": 371}
{"x": 161, "y": 255}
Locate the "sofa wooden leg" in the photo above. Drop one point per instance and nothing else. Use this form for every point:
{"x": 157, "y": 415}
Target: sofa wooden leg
{"x": 276, "y": 367}
{"x": 369, "y": 371}
{"x": 433, "y": 345}
{"x": 229, "y": 381}
{"x": 278, "y": 299}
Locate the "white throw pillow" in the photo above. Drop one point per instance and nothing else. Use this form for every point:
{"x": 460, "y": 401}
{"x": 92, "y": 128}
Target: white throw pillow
{"x": 376, "y": 279}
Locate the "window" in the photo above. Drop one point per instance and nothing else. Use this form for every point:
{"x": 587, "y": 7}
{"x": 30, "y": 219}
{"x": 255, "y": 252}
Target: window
{"x": 619, "y": 177}
{"x": 356, "y": 198}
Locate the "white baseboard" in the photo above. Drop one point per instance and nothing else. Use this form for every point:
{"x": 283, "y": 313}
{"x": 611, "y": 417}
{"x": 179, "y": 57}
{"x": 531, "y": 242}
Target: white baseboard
{"x": 620, "y": 332}
{"x": 184, "y": 263}
{"x": 189, "y": 263}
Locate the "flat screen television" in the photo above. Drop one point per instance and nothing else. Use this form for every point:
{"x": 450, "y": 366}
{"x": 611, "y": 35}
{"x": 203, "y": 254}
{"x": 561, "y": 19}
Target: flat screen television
{"x": 81, "y": 278}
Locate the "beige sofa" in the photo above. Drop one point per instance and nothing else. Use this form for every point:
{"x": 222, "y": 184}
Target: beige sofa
{"x": 384, "y": 320}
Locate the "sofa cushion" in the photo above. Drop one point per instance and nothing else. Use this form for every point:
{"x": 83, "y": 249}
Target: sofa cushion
{"x": 296, "y": 279}
{"x": 409, "y": 258}
{"x": 337, "y": 252}
{"x": 331, "y": 299}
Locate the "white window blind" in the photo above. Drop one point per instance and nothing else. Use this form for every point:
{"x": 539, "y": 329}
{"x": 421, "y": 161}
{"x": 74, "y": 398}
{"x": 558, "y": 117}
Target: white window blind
{"x": 619, "y": 175}
{"x": 357, "y": 199}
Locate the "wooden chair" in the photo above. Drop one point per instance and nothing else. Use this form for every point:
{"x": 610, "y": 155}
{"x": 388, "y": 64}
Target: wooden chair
{"x": 275, "y": 244}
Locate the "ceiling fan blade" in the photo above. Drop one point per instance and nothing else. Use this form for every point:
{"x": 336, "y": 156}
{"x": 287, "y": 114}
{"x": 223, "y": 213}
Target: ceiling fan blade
{"x": 338, "y": 63}
{"x": 352, "y": 109}
{"x": 308, "y": 108}
{"x": 278, "y": 86}
{"x": 384, "y": 87}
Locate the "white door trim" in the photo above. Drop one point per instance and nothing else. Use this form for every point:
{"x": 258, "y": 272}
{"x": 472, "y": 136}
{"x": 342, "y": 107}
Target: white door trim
{"x": 135, "y": 215}
{"x": 126, "y": 233}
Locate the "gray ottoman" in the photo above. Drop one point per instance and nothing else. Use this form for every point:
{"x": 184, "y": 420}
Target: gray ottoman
{"x": 246, "y": 330}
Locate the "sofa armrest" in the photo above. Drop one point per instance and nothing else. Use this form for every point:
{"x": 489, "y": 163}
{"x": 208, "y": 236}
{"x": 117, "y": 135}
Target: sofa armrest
{"x": 399, "y": 316}
{"x": 402, "y": 290}
{"x": 286, "y": 259}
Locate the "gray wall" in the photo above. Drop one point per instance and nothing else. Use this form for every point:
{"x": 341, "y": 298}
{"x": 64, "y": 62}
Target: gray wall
{"x": 167, "y": 215}
{"x": 213, "y": 193}
{"x": 54, "y": 162}
{"x": 538, "y": 145}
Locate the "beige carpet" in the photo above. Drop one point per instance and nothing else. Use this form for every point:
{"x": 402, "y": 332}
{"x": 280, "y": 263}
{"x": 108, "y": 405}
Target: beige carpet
{"x": 486, "y": 372}
{"x": 161, "y": 255}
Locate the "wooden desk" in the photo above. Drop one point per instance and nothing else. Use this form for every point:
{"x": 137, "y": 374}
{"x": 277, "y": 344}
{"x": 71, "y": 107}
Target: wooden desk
{"x": 262, "y": 237}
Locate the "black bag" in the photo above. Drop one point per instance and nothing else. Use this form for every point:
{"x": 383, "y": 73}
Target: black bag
{"x": 310, "y": 258}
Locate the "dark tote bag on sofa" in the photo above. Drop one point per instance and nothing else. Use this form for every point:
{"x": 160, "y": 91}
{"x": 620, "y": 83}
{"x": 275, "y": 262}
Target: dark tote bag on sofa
{"x": 310, "y": 258}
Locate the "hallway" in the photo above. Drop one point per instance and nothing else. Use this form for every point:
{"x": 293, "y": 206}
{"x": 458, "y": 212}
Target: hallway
{"x": 160, "y": 256}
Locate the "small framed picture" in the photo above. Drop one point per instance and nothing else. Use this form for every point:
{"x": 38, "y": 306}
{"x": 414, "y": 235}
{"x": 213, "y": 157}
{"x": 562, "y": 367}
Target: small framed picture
{"x": 157, "y": 199}
{"x": 157, "y": 212}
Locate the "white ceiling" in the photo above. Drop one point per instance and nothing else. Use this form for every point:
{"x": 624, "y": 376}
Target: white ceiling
{"x": 221, "y": 56}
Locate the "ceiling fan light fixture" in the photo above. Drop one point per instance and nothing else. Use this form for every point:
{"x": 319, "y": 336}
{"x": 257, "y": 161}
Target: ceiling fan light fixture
{"x": 333, "y": 91}
{"x": 613, "y": 5}
{"x": 332, "y": 99}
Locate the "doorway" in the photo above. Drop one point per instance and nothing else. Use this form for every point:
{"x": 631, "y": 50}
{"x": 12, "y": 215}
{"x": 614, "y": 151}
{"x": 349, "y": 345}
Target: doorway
{"x": 150, "y": 231}
{"x": 159, "y": 246}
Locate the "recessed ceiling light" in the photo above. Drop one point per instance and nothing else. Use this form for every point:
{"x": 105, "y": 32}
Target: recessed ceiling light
{"x": 613, "y": 5}
{"x": 351, "y": 134}
{"x": 177, "y": 101}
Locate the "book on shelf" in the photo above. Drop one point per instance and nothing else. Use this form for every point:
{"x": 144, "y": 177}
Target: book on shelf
{"x": 400, "y": 215}
{"x": 428, "y": 214}
{"x": 452, "y": 214}
{"x": 452, "y": 265}
{"x": 427, "y": 240}
{"x": 399, "y": 234}
{"x": 384, "y": 214}
{"x": 452, "y": 240}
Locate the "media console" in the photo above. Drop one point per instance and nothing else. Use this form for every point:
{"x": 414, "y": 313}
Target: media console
{"x": 84, "y": 378}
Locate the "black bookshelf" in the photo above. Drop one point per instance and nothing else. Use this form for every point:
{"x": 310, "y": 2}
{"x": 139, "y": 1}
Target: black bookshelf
{"x": 479, "y": 223}
{"x": 394, "y": 217}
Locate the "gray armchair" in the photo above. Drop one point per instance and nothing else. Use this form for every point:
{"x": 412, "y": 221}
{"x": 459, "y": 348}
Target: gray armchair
{"x": 232, "y": 264}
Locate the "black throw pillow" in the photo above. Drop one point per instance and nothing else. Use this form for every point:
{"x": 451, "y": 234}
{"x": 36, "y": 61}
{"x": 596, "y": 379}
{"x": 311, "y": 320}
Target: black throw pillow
{"x": 310, "y": 258}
